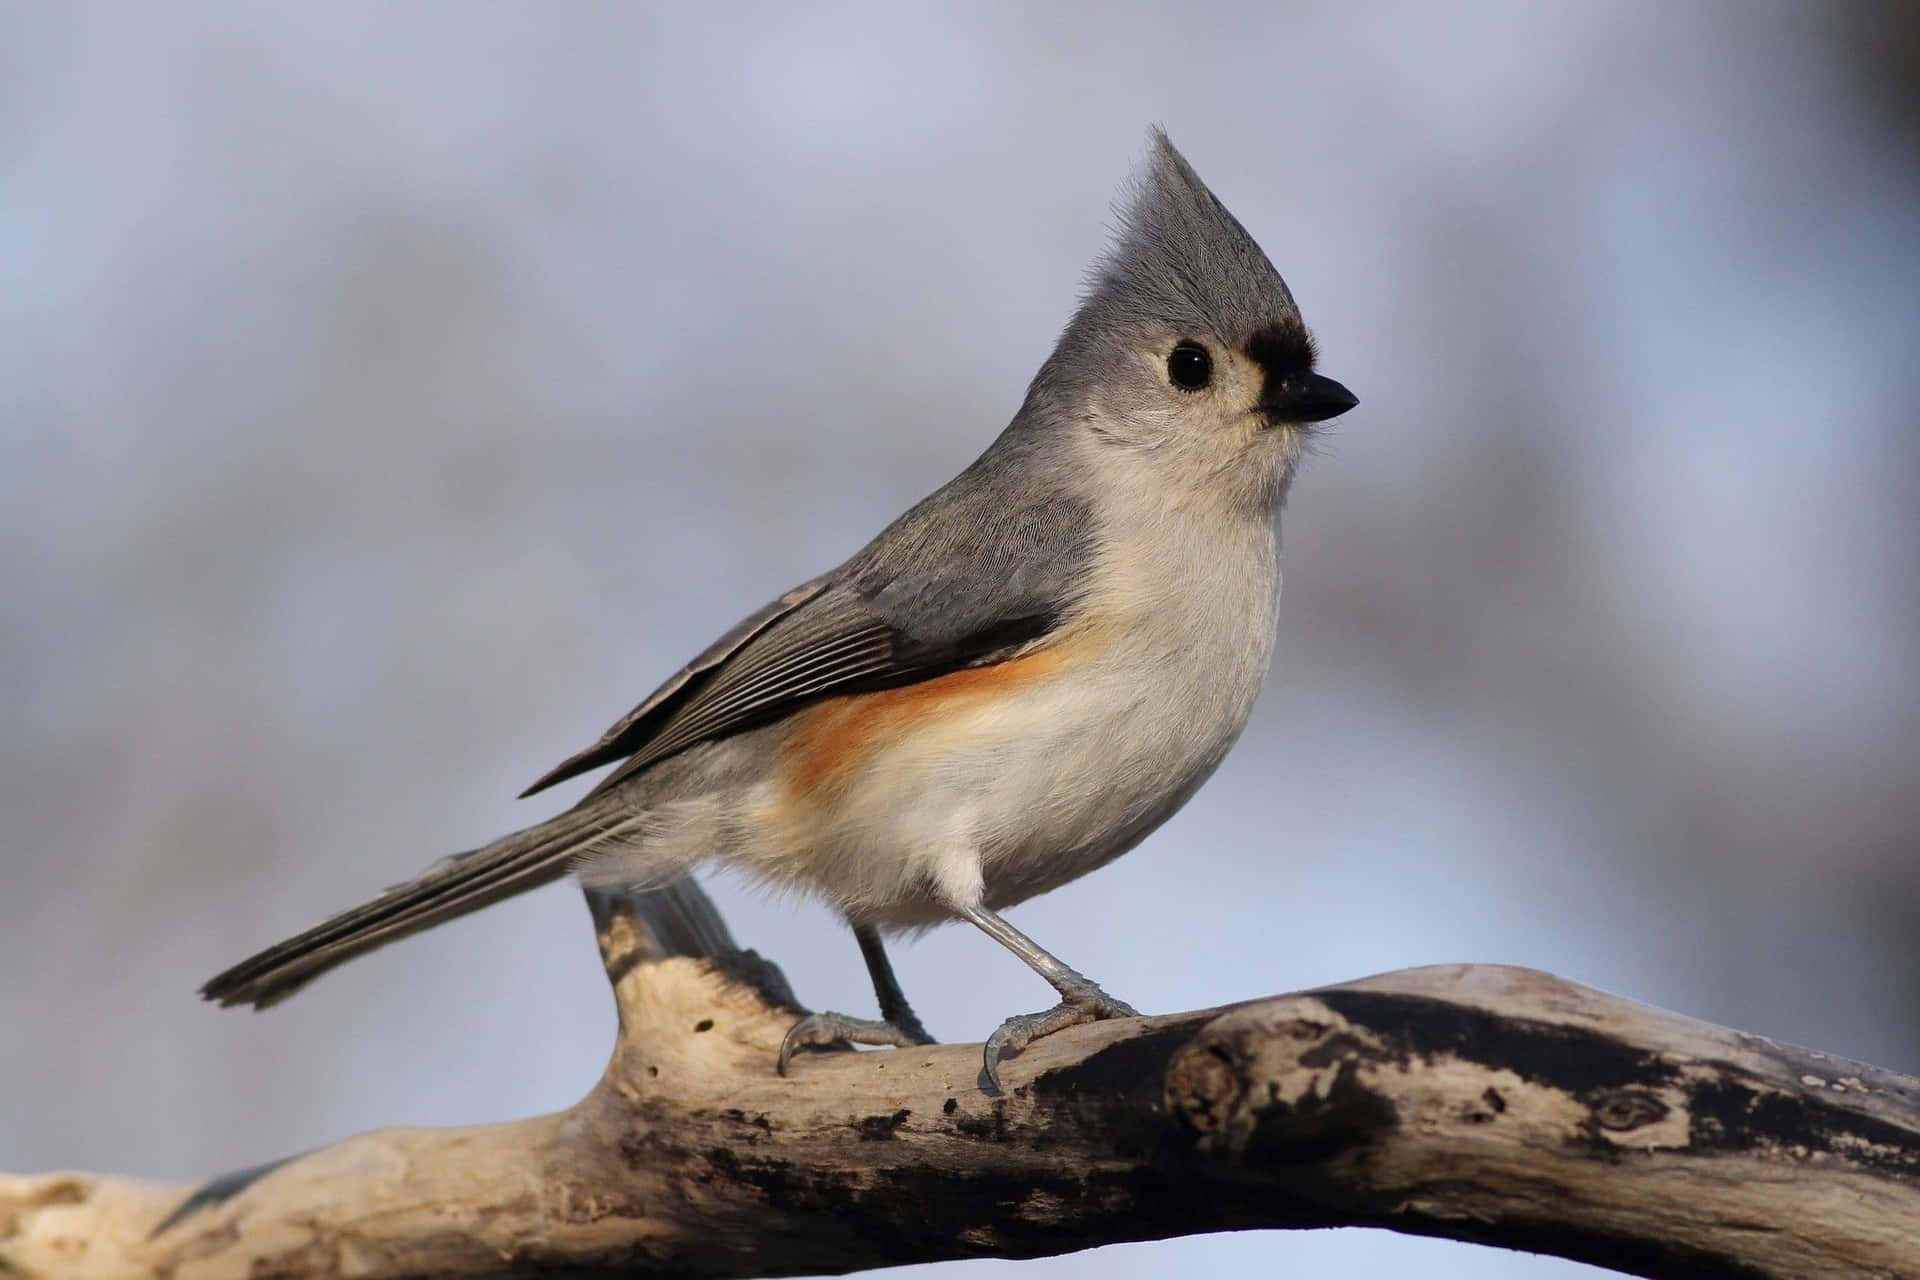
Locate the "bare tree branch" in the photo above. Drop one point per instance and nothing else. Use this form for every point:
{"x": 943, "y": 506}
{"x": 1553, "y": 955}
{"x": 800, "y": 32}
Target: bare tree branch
{"x": 1496, "y": 1105}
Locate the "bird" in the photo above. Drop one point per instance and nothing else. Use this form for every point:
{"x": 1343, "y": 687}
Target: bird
{"x": 1011, "y": 685}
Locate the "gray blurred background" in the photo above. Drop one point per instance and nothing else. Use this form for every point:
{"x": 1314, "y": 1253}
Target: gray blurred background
{"x": 391, "y": 395}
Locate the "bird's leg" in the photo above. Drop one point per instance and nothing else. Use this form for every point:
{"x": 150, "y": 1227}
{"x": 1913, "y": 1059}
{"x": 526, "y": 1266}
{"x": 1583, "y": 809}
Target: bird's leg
{"x": 897, "y": 1025}
{"x": 1081, "y": 999}
{"x": 886, "y": 988}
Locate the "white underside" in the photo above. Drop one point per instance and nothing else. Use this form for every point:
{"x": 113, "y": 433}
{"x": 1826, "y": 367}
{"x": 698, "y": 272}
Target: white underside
{"x": 998, "y": 800}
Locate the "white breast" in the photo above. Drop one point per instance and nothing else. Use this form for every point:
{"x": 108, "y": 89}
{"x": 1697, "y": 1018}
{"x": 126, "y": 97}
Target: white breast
{"x": 1001, "y": 798}
{"x": 1152, "y": 716}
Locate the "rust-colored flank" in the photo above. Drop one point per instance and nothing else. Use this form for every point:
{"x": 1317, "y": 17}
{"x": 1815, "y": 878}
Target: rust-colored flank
{"x": 831, "y": 736}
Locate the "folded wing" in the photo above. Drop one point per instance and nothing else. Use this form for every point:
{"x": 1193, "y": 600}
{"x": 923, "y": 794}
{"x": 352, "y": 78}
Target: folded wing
{"x": 969, "y": 577}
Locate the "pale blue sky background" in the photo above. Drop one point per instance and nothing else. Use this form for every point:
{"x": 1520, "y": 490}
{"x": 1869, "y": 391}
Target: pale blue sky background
{"x": 392, "y": 395}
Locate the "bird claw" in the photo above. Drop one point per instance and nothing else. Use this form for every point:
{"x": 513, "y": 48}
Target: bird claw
{"x": 1090, "y": 1004}
{"x": 830, "y": 1030}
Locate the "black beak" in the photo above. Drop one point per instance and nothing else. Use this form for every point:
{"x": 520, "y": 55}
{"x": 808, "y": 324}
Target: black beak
{"x": 1305, "y": 397}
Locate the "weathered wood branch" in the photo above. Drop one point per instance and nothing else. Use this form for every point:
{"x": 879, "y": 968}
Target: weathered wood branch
{"x": 1495, "y": 1105}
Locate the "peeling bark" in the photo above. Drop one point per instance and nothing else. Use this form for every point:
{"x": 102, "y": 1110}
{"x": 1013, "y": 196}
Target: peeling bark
{"x": 1501, "y": 1106}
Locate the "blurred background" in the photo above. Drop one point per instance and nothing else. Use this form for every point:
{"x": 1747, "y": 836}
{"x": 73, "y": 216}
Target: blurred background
{"x": 390, "y": 396}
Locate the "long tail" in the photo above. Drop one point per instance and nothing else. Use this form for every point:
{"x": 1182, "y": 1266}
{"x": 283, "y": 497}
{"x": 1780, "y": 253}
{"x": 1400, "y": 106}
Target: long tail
{"x": 451, "y": 887}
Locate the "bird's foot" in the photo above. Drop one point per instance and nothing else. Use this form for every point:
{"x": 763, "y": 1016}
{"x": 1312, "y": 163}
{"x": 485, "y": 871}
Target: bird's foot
{"x": 827, "y": 1030}
{"x": 1082, "y": 1003}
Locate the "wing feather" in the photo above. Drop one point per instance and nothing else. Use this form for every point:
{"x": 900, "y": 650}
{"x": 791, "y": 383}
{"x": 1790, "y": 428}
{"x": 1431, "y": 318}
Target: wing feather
{"x": 730, "y": 705}
{"x": 632, "y": 730}
{"x": 972, "y": 575}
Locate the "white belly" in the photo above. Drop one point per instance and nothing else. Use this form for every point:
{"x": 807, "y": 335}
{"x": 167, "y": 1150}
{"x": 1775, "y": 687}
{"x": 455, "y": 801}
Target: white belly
{"x": 996, "y": 798}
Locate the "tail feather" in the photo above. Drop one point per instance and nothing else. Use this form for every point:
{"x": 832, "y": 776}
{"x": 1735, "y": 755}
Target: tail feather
{"x": 452, "y": 887}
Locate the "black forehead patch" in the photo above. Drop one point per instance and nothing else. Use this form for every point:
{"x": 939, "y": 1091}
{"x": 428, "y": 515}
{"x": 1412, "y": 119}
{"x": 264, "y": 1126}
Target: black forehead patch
{"x": 1281, "y": 349}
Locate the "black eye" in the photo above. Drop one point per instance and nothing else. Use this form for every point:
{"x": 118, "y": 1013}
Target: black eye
{"x": 1190, "y": 367}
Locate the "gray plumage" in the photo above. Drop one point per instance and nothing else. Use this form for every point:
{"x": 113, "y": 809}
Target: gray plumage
{"x": 1107, "y": 572}
{"x": 910, "y": 605}
{"x": 452, "y": 887}
{"x": 1180, "y": 261}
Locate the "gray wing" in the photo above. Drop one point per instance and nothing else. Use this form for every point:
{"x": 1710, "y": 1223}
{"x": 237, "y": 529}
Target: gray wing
{"x": 632, "y": 730}
{"x": 980, "y": 570}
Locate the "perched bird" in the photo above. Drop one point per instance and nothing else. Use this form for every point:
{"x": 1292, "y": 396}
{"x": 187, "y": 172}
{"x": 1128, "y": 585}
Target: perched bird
{"x": 1010, "y": 686}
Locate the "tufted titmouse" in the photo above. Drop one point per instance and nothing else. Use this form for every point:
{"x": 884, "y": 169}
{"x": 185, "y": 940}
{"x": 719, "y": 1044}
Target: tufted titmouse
{"x": 1012, "y": 685}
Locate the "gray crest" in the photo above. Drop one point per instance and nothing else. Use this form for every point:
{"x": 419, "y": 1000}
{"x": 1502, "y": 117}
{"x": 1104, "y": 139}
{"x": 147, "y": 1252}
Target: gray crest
{"x": 1180, "y": 260}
